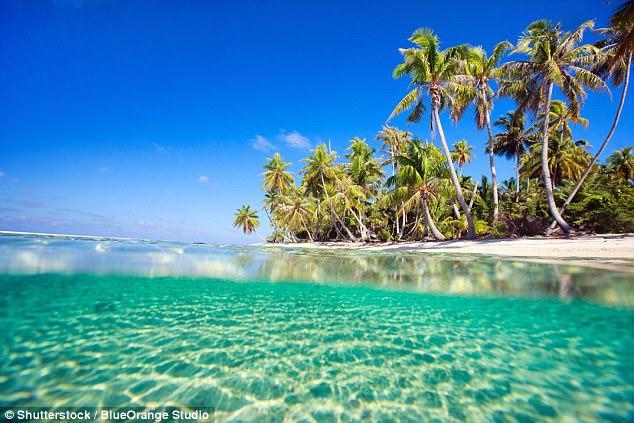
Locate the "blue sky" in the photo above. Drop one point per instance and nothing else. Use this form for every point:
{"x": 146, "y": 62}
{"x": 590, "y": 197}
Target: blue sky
{"x": 152, "y": 119}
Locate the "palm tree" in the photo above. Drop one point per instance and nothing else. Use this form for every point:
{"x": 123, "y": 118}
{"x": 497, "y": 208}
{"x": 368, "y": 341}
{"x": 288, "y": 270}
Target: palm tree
{"x": 297, "y": 211}
{"x": 621, "y": 164}
{"x": 619, "y": 47}
{"x": 247, "y": 218}
{"x": 566, "y": 159}
{"x": 622, "y": 27}
{"x": 319, "y": 174}
{"x": 512, "y": 142}
{"x": 276, "y": 177}
{"x": 461, "y": 154}
{"x": 393, "y": 141}
{"x": 319, "y": 170}
{"x": 555, "y": 58}
{"x": 473, "y": 86}
{"x": 423, "y": 171}
{"x": 364, "y": 169}
{"x": 432, "y": 69}
{"x": 348, "y": 199}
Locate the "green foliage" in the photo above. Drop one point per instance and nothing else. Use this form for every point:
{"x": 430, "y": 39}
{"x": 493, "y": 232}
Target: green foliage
{"x": 384, "y": 235}
{"x": 350, "y": 197}
{"x": 603, "y": 204}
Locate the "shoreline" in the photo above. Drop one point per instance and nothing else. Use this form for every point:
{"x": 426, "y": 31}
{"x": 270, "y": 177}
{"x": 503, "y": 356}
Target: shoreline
{"x": 612, "y": 251}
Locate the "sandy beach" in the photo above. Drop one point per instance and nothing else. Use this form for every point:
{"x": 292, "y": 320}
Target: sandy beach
{"x": 612, "y": 250}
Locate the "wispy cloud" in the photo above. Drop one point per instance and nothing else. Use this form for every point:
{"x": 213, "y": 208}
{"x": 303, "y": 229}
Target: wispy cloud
{"x": 203, "y": 179}
{"x": 103, "y": 169}
{"x": 261, "y": 143}
{"x": 2, "y": 174}
{"x": 294, "y": 139}
{"x": 160, "y": 148}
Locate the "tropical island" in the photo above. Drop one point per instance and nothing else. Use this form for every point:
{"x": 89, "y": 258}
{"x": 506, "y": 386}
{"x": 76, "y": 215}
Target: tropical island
{"x": 412, "y": 189}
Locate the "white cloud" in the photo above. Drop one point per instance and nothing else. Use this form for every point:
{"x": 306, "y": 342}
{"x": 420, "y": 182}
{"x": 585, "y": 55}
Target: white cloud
{"x": 2, "y": 174}
{"x": 261, "y": 143}
{"x": 294, "y": 139}
{"x": 159, "y": 148}
{"x": 103, "y": 169}
{"x": 203, "y": 179}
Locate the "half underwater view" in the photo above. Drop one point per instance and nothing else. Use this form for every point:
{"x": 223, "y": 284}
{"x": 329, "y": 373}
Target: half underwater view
{"x": 266, "y": 333}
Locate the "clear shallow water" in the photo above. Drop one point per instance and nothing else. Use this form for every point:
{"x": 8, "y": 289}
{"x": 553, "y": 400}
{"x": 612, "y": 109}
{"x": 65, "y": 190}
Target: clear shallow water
{"x": 381, "y": 337}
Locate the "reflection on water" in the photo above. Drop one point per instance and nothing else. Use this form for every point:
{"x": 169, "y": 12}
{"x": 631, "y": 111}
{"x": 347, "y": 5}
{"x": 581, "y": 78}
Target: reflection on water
{"x": 426, "y": 272}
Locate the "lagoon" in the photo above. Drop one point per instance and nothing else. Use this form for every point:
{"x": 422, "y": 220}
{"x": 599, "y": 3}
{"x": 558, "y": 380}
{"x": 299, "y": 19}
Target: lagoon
{"x": 267, "y": 334}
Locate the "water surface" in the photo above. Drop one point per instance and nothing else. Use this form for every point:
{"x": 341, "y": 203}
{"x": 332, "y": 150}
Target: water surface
{"x": 269, "y": 334}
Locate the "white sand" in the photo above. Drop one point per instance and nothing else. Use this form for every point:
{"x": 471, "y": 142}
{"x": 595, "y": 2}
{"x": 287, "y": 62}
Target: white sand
{"x": 607, "y": 249}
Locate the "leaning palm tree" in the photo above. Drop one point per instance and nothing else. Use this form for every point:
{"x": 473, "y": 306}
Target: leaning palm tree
{"x": 512, "y": 142}
{"x": 621, "y": 164}
{"x": 554, "y": 58}
{"x": 246, "y": 218}
{"x": 423, "y": 171}
{"x": 298, "y": 212}
{"x": 473, "y": 85}
{"x": 462, "y": 154}
{"x": 619, "y": 47}
{"x": 431, "y": 70}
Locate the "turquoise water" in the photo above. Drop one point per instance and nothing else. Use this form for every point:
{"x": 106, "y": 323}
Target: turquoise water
{"x": 273, "y": 335}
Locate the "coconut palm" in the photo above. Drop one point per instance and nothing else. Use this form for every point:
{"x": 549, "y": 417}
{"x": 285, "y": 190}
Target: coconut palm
{"x": 276, "y": 177}
{"x": 298, "y": 211}
{"x": 347, "y": 199}
{"x": 512, "y": 142}
{"x": 364, "y": 169}
{"x": 622, "y": 28}
{"x": 473, "y": 85}
{"x": 431, "y": 71}
{"x": 554, "y": 58}
{"x": 621, "y": 164}
{"x": 246, "y": 218}
{"x": 423, "y": 171}
{"x": 619, "y": 47}
{"x": 319, "y": 170}
{"x": 393, "y": 141}
{"x": 461, "y": 154}
{"x": 566, "y": 159}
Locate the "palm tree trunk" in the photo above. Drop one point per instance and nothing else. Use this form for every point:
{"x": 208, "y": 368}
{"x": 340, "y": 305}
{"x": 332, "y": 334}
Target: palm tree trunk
{"x": 608, "y": 137}
{"x": 548, "y": 184}
{"x": 362, "y": 228}
{"x": 270, "y": 220}
{"x": 456, "y": 212}
{"x": 517, "y": 178}
{"x": 430, "y": 223}
{"x": 475, "y": 189}
{"x": 343, "y": 225}
{"x": 494, "y": 179}
{"x": 416, "y": 220}
{"x": 397, "y": 221}
{"x": 333, "y": 212}
{"x": 454, "y": 177}
{"x": 306, "y": 228}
